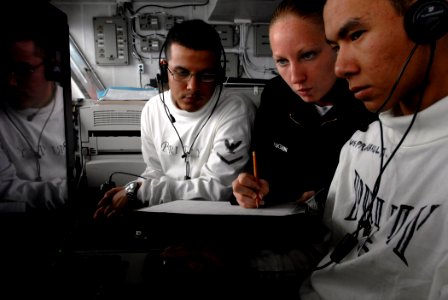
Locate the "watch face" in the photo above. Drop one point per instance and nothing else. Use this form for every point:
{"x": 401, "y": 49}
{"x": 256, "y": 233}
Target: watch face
{"x": 130, "y": 187}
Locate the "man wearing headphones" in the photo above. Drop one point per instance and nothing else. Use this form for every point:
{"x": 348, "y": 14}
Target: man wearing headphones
{"x": 195, "y": 136}
{"x": 32, "y": 134}
{"x": 387, "y": 205}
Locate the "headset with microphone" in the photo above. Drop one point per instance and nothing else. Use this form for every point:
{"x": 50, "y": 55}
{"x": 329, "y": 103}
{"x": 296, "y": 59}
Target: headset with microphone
{"x": 162, "y": 79}
{"x": 52, "y": 73}
{"x": 425, "y": 22}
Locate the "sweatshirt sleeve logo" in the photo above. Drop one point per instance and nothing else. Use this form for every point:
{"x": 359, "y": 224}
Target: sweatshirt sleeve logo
{"x": 230, "y": 147}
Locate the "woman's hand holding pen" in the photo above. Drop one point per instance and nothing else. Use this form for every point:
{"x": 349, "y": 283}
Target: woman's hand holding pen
{"x": 246, "y": 188}
{"x": 306, "y": 196}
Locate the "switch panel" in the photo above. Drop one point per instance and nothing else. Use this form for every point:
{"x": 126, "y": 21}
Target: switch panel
{"x": 232, "y": 65}
{"x": 261, "y": 38}
{"x": 111, "y": 41}
{"x": 226, "y": 34}
{"x": 149, "y": 45}
{"x": 149, "y": 22}
{"x": 170, "y": 20}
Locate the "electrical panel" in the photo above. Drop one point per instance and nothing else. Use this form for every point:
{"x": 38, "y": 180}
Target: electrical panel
{"x": 149, "y": 22}
{"x": 171, "y": 20}
{"x": 111, "y": 41}
{"x": 226, "y": 34}
{"x": 150, "y": 45}
{"x": 232, "y": 65}
{"x": 261, "y": 38}
{"x": 151, "y": 29}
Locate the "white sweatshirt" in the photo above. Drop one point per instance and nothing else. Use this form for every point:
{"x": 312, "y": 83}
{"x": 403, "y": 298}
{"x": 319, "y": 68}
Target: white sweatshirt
{"x": 406, "y": 255}
{"x": 219, "y": 153}
{"x": 19, "y": 140}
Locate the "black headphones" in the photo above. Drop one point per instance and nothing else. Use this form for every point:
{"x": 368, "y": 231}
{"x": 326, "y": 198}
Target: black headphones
{"x": 162, "y": 77}
{"x": 426, "y": 20}
{"x": 53, "y": 70}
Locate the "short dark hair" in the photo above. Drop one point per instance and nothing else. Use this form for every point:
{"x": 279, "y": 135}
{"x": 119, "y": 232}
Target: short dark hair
{"x": 37, "y": 23}
{"x": 401, "y": 6}
{"x": 194, "y": 34}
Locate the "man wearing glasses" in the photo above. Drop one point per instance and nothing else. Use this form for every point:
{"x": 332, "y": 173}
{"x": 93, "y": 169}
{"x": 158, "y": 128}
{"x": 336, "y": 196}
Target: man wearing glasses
{"x": 195, "y": 136}
{"x": 32, "y": 133}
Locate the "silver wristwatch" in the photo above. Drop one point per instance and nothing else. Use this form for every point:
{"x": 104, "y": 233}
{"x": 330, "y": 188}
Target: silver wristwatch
{"x": 131, "y": 190}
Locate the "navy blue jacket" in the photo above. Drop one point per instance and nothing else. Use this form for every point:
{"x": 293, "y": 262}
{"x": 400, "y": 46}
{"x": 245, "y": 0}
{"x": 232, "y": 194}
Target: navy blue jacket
{"x": 297, "y": 149}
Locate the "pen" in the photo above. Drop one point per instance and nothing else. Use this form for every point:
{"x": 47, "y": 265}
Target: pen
{"x": 254, "y": 161}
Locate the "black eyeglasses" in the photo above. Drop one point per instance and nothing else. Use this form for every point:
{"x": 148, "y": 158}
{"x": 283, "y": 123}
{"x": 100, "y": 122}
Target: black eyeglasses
{"x": 185, "y": 75}
{"x": 21, "y": 69}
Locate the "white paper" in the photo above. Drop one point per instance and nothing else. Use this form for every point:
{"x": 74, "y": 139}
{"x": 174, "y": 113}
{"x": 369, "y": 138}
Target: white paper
{"x": 199, "y": 207}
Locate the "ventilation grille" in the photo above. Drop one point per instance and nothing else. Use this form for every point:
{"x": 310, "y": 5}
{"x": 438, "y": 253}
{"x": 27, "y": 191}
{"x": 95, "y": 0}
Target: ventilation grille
{"x": 112, "y": 117}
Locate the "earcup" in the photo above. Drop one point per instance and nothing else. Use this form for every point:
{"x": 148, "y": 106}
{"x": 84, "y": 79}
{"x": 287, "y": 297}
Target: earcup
{"x": 163, "y": 66}
{"x": 426, "y": 21}
{"x": 53, "y": 71}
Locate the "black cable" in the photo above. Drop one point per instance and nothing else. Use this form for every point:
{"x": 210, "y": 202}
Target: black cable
{"x": 125, "y": 173}
{"x": 110, "y": 184}
{"x": 172, "y": 120}
{"x": 140, "y": 77}
{"x": 394, "y": 86}
{"x": 128, "y": 7}
{"x": 174, "y": 6}
{"x": 208, "y": 118}
{"x": 35, "y": 153}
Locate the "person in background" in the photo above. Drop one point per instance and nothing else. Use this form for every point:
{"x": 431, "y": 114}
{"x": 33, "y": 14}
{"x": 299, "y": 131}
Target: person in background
{"x": 34, "y": 200}
{"x": 195, "y": 136}
{"x": 306, "y": 114}
{"x": 387, "y": 204}
{"x": 32, "y": 133}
